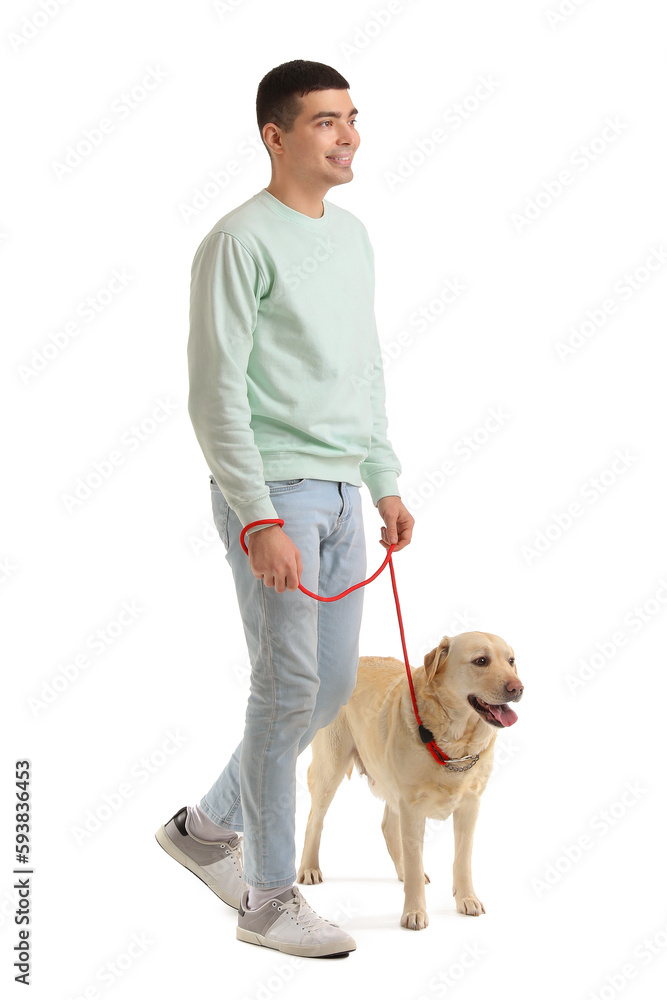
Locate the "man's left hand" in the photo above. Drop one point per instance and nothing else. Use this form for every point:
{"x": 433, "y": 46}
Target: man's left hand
{"x": 398, "y": 522}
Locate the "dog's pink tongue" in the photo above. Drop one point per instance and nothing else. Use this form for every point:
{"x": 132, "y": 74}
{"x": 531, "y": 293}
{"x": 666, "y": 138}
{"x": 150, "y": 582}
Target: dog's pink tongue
{"x": 504, "y": 714}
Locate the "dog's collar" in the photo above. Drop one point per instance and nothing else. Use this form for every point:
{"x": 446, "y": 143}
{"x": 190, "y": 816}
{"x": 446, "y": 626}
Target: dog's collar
{"x": 426, "y": 737}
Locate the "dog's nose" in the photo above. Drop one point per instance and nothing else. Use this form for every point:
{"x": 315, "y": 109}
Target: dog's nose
{"x": 514, "y": 687}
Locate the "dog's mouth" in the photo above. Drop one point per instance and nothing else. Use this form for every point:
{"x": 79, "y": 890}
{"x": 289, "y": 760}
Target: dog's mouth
{"x": 495, "y": 715}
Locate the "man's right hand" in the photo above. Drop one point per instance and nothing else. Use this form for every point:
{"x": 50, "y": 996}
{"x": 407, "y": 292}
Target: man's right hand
{"x": 274, "y": 558}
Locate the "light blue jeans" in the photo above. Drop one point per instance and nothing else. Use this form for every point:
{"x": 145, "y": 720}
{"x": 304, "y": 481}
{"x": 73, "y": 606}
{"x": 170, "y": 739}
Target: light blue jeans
{"x": 304, "y": 656}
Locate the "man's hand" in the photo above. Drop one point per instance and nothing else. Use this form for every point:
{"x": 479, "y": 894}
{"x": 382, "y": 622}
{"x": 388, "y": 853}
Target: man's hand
{"x": 398, "y": 522}
{"x": 274, "y": 557}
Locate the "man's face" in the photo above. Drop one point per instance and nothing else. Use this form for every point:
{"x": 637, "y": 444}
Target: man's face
{"x": 320, "y": 147}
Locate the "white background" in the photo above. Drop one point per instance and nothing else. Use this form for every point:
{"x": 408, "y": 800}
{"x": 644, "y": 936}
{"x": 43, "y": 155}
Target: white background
{"x": 144, "y": 537}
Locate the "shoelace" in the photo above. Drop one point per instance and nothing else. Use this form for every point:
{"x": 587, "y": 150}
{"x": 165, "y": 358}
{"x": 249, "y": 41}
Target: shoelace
{"x": 234, "y": 848}
{"x": 303, "y": 911}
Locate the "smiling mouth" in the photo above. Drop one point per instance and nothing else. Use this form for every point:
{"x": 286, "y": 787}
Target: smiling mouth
{"x": 496, "y": 715}
{"x": 342, "y": 160}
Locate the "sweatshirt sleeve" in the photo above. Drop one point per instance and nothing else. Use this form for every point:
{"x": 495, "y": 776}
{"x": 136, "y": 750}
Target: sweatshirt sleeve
{"x": 225, "y": 289}
{"x": 381, "y": 467}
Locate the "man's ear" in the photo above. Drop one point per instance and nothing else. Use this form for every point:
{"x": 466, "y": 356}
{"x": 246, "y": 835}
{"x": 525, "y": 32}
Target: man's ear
{"x": 437, "y": 655}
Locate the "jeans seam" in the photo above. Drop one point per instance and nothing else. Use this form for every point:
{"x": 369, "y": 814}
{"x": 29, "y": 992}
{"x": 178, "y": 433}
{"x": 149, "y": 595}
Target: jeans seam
{"x": 212, "y": 814}
{"x": 270, "y": 727}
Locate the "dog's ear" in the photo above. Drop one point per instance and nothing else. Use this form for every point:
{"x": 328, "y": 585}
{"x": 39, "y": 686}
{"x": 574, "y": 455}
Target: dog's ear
{"x": 436, "y": 656}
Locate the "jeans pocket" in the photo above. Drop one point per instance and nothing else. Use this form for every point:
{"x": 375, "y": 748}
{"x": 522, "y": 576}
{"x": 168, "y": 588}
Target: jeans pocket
{"x": 284, "y": 485}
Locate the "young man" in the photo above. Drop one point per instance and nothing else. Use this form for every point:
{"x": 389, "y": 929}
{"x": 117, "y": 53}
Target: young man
{"x": 287, "y": 401}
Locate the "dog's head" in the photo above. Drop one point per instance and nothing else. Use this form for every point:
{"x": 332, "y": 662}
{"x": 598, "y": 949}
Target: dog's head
{"x": 475, "y": 671}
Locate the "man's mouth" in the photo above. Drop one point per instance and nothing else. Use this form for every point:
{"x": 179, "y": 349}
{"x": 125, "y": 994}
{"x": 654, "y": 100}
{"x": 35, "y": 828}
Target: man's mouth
{"x": 495, "y": 715}
{"x": 342, "y": 161}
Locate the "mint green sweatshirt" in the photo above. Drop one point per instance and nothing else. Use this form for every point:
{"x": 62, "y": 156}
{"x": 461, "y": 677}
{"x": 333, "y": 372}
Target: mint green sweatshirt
{"x": 286, "y": 377}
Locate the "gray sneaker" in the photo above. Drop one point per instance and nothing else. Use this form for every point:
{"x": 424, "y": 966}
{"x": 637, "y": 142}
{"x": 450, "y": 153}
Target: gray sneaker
{"x": 219, "y": 865}
{"x": 289, "y": 924}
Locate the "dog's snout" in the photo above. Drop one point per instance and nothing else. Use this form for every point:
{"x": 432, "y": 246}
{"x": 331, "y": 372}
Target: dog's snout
{"x": 514, "y": 688}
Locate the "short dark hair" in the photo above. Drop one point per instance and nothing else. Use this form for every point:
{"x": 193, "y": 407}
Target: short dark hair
{"x": 279, "y": 92}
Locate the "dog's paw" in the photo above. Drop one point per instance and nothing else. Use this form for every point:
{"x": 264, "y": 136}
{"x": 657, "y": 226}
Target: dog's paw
{"x": 415, "y": 920}
{"x": 470, "y": 905}
{"x": 310, "y": 876}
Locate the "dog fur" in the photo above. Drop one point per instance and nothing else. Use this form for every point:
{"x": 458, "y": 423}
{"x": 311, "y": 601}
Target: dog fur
{"x": 377, "y": 731}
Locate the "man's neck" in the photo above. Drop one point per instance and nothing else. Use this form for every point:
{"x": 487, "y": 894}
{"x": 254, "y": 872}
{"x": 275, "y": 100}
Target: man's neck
{"x": 304, "y": 201}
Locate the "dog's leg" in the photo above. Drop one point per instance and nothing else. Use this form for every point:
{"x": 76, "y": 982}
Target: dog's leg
{"x": 332, "y": 754}
{"x": 465, "y": 817}
{"x": 391, "y": 830}
{"x": 412, "y": 837}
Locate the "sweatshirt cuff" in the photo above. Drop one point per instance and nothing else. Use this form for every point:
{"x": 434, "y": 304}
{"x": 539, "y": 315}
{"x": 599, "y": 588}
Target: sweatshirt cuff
{"x": 383, "y": 484}
{"x": 256, "y": 510}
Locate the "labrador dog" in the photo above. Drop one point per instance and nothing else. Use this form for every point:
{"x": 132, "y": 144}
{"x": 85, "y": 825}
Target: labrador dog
{"x": 462, "y": 693}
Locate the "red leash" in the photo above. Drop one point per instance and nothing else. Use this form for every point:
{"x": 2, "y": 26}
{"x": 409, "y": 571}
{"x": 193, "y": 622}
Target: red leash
{"x": 425, "y": 734}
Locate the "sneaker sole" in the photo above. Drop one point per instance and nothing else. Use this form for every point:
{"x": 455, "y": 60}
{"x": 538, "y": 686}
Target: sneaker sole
{"x": 302, "y": 950}
{"x": 177, "y": 854}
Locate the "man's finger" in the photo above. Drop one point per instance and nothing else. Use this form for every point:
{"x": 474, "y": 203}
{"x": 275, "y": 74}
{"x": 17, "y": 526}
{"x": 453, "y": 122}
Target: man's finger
{"x": 392, "y": 533}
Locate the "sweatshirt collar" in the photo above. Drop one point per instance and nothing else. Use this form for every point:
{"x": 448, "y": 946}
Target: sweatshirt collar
{"x": 290, "y": 213}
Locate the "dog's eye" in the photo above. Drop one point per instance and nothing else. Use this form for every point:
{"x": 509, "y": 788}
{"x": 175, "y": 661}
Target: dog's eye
{"x": 512, "y": 660}
{"x": 481, "y": 661}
